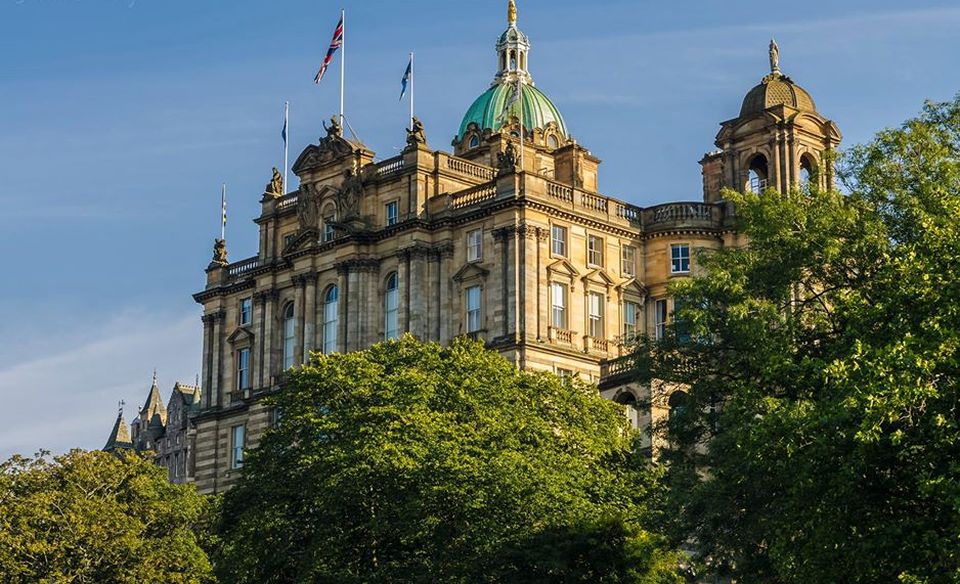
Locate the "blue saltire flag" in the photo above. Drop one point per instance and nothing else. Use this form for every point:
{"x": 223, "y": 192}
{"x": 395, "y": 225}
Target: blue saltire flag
{"x": 406, "y": 79}
{"x": 283, "y": 133}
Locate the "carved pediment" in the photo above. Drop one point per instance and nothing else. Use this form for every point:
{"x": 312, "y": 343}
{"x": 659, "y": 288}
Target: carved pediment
{"x": 331, "y": 148}
{"x": 563, "y": 267}
{"x": 241, "y": 335}
{"x": 304, "y": 239}
{"x": 634, "y": 286}
{"x": 598, "y": 277}
{"x": 470, "y": 272}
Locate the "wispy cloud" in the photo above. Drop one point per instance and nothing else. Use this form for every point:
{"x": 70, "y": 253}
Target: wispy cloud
{"x": 68, "y": 398}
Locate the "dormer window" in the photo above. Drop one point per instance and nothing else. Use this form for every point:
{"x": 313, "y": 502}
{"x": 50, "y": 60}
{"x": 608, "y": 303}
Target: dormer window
{"x": 474, "y": 141}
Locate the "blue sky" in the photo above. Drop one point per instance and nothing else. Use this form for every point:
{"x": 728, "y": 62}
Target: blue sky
{"x": 119, "y": 119}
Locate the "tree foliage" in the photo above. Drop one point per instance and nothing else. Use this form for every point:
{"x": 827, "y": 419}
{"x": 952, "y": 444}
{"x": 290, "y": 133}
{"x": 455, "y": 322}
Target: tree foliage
{"x": 821, "y": 437}
{"x": 409, "y": 462}
{"x": 95, "y": 517}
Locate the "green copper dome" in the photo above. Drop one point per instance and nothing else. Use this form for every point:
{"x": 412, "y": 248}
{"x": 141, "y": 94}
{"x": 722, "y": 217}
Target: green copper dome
{"x": 487, "y": 110}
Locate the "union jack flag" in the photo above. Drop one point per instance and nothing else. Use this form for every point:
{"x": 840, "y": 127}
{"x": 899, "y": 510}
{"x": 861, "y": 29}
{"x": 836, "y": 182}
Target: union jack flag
{"x": 335, "y": 44}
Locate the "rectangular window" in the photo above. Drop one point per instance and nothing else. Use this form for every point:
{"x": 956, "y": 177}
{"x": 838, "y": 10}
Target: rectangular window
{"x": 288, "y": 239}
{"x": 246, "y": 311}
{"x": 630, "y": 312}
{"x": 629, "y": 267}
{"x": 473, "y": 309}
{"x": 474, "y": 245}
{"x": 243, "y": 368}
{"x": 660, "y": 319}
{"x": 679, "y": 258}
{"x": 595, "y": 310}
{"x": 558, "y": 240}
{"x": 328, "y": 231}
{"x": 393, "y": 213}
{"x": 564, "y": 373}
{"x": 558, "y": 298}
{"x": 238, "y": 435}
{"x": 594, "y": 250}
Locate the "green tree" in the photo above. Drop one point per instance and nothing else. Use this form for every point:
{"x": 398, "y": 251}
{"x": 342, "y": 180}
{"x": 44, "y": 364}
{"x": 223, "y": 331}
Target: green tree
{"x": 409, "y": 462}
{"x": 820, "y": 439}
{"x": 96, "y": 517}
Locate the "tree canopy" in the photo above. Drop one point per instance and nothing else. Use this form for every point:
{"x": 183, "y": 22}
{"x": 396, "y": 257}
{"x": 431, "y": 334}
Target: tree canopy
{"x": 417, "y": 463}
{"x": 96, "y": 517}
{"x": 820, "y": 437}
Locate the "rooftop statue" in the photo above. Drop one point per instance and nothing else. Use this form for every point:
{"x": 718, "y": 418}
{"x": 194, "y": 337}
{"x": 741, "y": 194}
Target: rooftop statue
{"x": 334, "y": 129}
{"x": 220, "y": 252}
{"x": 415, "y": 134}
{"x": 275, "y": 186}
{"x": 512, "y": 13}
{"x": 774, "y": 56}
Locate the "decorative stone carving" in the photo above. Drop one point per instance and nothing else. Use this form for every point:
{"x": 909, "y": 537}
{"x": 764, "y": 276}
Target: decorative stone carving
{"x": 507, "y": 160}
{"x": 348, "y": 199}
{"x": 331, "y": 147}
{"x": 275, "y": 187}
{"x": 774, "y": 57}
{"x": 220, "y": 252}
{"x": 334, "y": 130}
{"x": 308, "y": 207}
{"x": 415, "y": 134}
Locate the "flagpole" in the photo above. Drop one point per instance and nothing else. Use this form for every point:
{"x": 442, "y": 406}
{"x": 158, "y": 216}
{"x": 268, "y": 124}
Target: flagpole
{"x": 343, "y": 59}
{"x": 286, "y": 142}
{"x": 412, "y": 87}
{"x": 223, "y": 211}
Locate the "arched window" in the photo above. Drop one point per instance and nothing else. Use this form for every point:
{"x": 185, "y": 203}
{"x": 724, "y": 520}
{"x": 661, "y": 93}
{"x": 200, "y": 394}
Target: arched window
{"x": 552, "y": 141}
{"x": 513, "y": 60}
{"x": 288, "y": 337}
{"x": 474, "y": 141}
{"x": 758, "y": 174}
{"x": 391, "y": 303}
{"x": 331, "y": 315}
{"x": 808, "y": 170}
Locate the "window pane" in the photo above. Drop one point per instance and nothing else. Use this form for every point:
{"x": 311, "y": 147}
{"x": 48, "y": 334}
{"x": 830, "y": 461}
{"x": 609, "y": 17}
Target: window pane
{"x": 595, "y": 250}
{"x": 391, "y": 302}
{"x": 660, "y": 319}
{"x": 558, "y": 238}
{"x": 629, "y": 260}
{"x": 558, "y": 300}
{"x": 473, "y": 309}
{"x": 392, "y": 213}
{"x": 246, "y": 311}
{"x": 243, "y": 368}
{"x": 595, "y": 308}
{"x": 238, "y": 443}
{"x": 288, "y": 338}
{"x": 474, "y": 245}
{"x": 330, "y": 320}
{"x": 679, "y": 258}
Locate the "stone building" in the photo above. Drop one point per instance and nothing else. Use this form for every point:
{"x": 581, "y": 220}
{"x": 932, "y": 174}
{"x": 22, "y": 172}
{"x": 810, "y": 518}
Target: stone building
{"x": 163, "y": 432}
{"x": 505, "y": 239}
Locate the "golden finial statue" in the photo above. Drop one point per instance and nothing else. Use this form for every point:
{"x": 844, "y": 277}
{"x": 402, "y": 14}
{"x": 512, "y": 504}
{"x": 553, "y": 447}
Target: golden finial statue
{"x": 512, "y": 13}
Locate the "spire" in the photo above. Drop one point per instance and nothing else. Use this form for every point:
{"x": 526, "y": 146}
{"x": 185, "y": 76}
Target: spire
{"x": 512, "y": 13}
{"x": 120, "y": 435}
{"x": 154, "y": 377}
{"x": 774, "y": 57}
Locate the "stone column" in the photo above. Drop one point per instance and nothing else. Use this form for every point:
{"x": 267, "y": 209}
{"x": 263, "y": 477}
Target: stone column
{"x": 506, "y": 313}
{"x": 310, "y": 316}
{"x": 775, "y": 180}
{"x": 207, "y": 395}
{"x": 343, "y": 302}
{"x": 445, "y": 258}
{"x": 353, "y": 312}
{"x": 299, "y": 283}
{"x": 417, "y": 291}
{"x": 216, "y": 384}
{"x": 403, "y": 274}
{"x": 540, "y": 287}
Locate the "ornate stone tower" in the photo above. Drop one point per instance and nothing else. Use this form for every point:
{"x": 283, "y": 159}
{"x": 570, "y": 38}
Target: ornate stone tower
{"x": 778, "y": 141}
